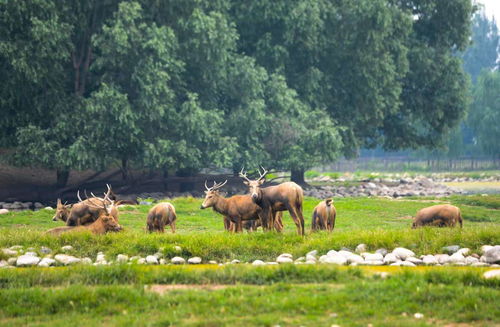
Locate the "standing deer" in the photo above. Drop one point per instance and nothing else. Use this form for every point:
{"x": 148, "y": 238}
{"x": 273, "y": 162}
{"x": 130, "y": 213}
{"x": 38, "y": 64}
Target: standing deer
{"x": 236, "y": 209}
{"x": 86, "y": 212}
{"x": 324, "y": 215}
{"x": 161, "y": 215}
{"x": 271, "y": 199}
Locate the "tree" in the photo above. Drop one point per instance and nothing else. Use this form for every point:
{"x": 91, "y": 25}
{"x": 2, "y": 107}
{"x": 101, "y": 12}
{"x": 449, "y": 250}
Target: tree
{"x": 485, "y": 112}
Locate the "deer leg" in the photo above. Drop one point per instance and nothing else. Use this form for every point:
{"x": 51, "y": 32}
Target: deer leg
{"x": 227, "y": 223}
{"x": 297, "y": 219}
{"x": 239, "y": 225}
{"x": 172, "y": 226}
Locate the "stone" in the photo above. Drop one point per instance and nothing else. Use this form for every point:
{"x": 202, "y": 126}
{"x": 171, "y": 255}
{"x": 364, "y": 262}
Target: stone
{"x": 361, "y": 248}
{"x": 414, "y": 260}
{"x": 479, "y": 264}
{"x": 163, "y": 261}
{"x": 418, "y": 315}
{"x": 382, "y": 251}
{"x": 194, "y": 260}
{"x": 457, "y": 258}
{"x": 373, "y": 256}
{"x": 331, "y": 253}
{"x": 390, "y": 258}
{"x": 177, "y": 249}
{"x": 337, "y": 260}
{"x": 212, "y": 262}
{"x": 27, "y": 260}
{"x": 310, "y": 262}
{"x": 141, "y": 261}
{"x": 45, "y": 250}
{"x": 495, "y": 273}
{"x": 48, "y": 208}
{"x": 272, "y": 263}
{"x": 151, "y": 260}
{"x": 492, "y": 255}
{"x": 281, "y": 259}
{"x": 4, "y": 211}
{"x": 86, "y": 261}
{"x": 9, "y": 252}
{"x": 101, "y": 258}
{"x": 407, "y": 264}
{"x": 3, "y": 264}
{"x": 177, "y": 260}
{"x": 16, "y": 247}
{"x": 429, "y": 260}
{"x": 67, "y": 248}
{"x": 158, "y": 255}
{"x": 121, "y": 258}
{"x": 258, "y": 263}
{"x": 67, "y": 259}
{"x": 470, "y": 260}
{"x": 345, "y": 253}
{"x": 373, "y": 263}
{"x": 451, "y": 249}
{"x": 46, "y": 262}
{"x": 403, "y": 253}
{"x": 442, "y": 258}
{"x": 38, "y": 205}
{"x": 303, "y": 259}
{"x": 235, "y": 261}
{"x": 485, "y": 248}
{"x": 313, "y": 253}
{"x": 464, "y": 251}
{"x": 354, "y": 258}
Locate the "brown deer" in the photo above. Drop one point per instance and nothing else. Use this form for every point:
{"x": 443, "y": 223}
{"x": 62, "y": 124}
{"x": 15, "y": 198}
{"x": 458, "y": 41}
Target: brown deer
{"x": 441, "y": 215}
{"x": 271, "y": 199}
{"x": 161, "y": 215}
{"x": 324, "y": 215}
{"x": 62, "y": 211}
{"x": 105, "y": 223}
{"x": 236, "y": 209}
{"x": 252, "y": 225}
{"x": 87, "y": 211}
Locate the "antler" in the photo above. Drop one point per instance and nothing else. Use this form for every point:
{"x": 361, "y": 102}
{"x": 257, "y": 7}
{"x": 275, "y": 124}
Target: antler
{"x": 263, "y": 175}
{"x": 244, "y": 175}
{"x": 216, "y": 186}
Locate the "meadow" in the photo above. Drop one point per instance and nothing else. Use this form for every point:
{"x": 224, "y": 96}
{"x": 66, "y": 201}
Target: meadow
{"x": 285, "y": 295}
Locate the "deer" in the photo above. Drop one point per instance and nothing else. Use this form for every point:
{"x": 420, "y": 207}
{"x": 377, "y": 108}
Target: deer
{"x": 161, "y": 215}
{"x": 252, "y": 225}
{"x": 235, "y": 210}
{"x": 324, "y": 215}
{"x": 441, "y": 215}
{"x": 105, "y": 223}
{"x": 87, "y": 211}
{"x": 285, "y": 196}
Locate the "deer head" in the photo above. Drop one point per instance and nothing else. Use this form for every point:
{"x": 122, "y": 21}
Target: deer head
{"x": 110, "y": 224}
{"x": 254, "y": 185}
{"x": 62, "y": 211}
{"x": 211, "y": 194}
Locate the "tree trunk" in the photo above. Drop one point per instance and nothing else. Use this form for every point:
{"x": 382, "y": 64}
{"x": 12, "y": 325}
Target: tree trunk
{"x": 124, "y": 169}
{"x": 62, "y": 177}
{"x": 298, "y": 176}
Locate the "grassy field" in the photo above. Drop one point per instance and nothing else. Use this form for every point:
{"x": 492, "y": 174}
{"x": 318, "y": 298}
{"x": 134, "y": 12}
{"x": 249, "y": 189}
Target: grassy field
{"x": 244, "y": 295}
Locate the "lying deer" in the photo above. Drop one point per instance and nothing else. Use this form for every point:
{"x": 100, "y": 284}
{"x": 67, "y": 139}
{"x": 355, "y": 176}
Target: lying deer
{"x": 236, "y": 209}
{"x": 271, "y": 199}
{"x": 87, "y": 211}
{"x": 161, "y": 215}
{"x": 105, "y": 223}
{"x": 324, "y": 215}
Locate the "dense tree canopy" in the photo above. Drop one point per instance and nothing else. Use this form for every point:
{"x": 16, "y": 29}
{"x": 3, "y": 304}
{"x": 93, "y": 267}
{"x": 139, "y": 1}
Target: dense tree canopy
{"x": 183, "y": 85}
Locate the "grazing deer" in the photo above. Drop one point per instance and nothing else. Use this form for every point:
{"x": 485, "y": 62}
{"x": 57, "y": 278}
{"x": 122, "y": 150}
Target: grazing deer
{"x": 271, "y": 199}
{"x": 87, "y": 211}
{"x": 105, "y": 223}
{"x": 324, "y": 215}
{"x": 161, "y": 215}
{"x": 441, "y": 215}
{"x": 236, "y": 209}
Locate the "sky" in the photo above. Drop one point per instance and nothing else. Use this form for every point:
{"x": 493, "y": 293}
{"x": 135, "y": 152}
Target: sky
{"x": 492, "y": 8}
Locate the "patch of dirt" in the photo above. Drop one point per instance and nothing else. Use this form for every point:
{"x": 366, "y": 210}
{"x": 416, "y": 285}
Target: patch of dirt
{"x": 162, "y": 288}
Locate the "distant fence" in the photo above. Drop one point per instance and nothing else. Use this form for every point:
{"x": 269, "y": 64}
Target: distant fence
{"x": 405, "y": 163}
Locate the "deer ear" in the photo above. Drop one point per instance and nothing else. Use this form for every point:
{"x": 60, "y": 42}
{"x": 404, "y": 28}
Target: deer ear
{"x": 329, "y": 201}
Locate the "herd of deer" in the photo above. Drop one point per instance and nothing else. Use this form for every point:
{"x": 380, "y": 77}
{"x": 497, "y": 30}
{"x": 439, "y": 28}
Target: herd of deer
{"x": 263, "y": 206}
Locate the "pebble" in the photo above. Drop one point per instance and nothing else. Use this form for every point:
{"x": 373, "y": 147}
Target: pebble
{"x": 45, "y": 250}
{"x": 46, "y": 262}
{"x": 442, "y": 258}
{"x": 429, "y": 260}
{"x": 361, "y": 248}
{"x": 27, "y": 260}
{"x": 121, "y": 258}
{"x": 258, "y": 263}
{"x": 372, "y": 256}
{"x": 382, "y": 251}
{"x": 492, "y": 255}
{"x": 12, "y": 261}
{"x": 418, "y": 315}
{"x": 67, "y": 259}
{"x": 313, "y": 253}
{"x": 86, "y": 261}
{"x": 235, "y": 261}
{"x": 194, "y": 260}
{"x": 414, "y": 260}
{"x": 403, "y": 253}
{"x": 163, "y": 261}
{"x": 282, "y": 259}
{"x": 67, "y": 248}
{"x": 354, "y": 258}
{"x": 390, "y": 258}
{"x": 451, "y": 249}
{"x": 457, "y": 258}
{"x": 48, "y": 208}
{"x": 9, "y": 252}
{"x": 492, "y": 274}
{"x": 178, "y": 260}
{"x": 177, "y": 249}
{"x": 151, "y": 260}
{"x": 337, "y": 260}
{"x": 464, "y": 251}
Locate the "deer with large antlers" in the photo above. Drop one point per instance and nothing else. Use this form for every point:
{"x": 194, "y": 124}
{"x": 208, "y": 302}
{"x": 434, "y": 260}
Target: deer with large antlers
{"x": 271, "y": 199}
{"x": 89, "y": 210}
{"x": 236, "y": 209}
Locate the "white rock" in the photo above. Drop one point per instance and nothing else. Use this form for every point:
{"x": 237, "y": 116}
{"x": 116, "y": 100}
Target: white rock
{"x": 407, "y": 264}
{"x": 402, "y": 253}
{"x": 45, "y": 250}
{"x": 67, "y": 248}
{"x": 442, "y": 258}
{"x": 212, "y": 262}
{"x": 322, "y": 258}
{"x": 177, "y": 249}
{"x": 163, "y": 261}
{"x": 286, "y": 255}
{"x": 457, "y": 258}
{"x": 281, "y": 259}
{"x": 470, "y": 260}
{"x": 235, "y": 261}
{"x": 9, "y": 252}
{"x": 141, "y": 261}
{"x": 361, "y": 248}
{"x": 194, "y": 260}
{"x": 310, "y": 257}
{"x": 314, "y": 253}
{"x": 33, "y": 254}
{"x": 310, "y": 262}
{"x": 331, "y": 253}
{"x": 492, "y": 274}
{"x": 390, "y": 258}
{"x": 3, "y": 263}
{"x": 100, "y": 257}
{"x": 485, "y": 248}
{"x": 177, "y": 260}
{"x": 373, "y": 257}
{"x": 16, "y": 247}
{"x": 134, "y": 258}
{"x": 414, "y": 260}
{"x": 46, "y": 262}
{"x": 86, "y": 261}
{"x": 48, "y": 208}
{"x": 121, "y": 258}
{"x": 258, "y": 263}
{"x": 337, "y": 260}
{"x": 373, "y": 263}
{"x": 345, "y": 254}
{"x": 27, "y": 260}
{"x": 301, "y": 259}
{"x": 464, "y": 251}
{"x": 12, "y": 261}
{"x": 272, "y": 263}
{"x": 418, "y": 315}
{"x": 67, "y": 259}
{"x": 397, "y": 263}
{"x": 429, "y": 260}
{"x": 151, "y": 260}
{"x": 479, "y": 264}
{"x": 492, "y": 255}
{"x": 4, "y": 211}
{"x": 354, "y": 258}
